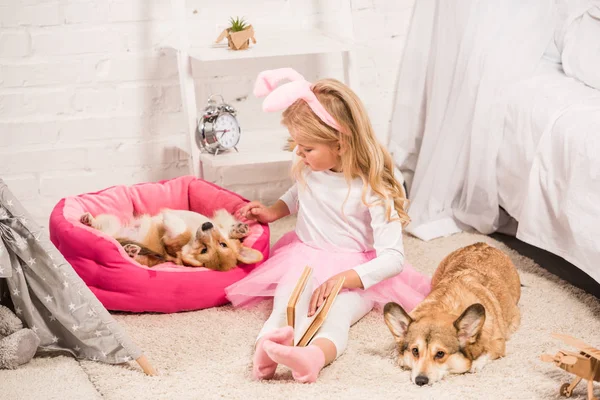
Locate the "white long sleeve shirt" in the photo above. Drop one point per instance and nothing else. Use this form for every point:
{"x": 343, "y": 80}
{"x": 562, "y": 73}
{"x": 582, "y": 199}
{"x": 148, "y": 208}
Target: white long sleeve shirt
{"x": 321, "y": 223}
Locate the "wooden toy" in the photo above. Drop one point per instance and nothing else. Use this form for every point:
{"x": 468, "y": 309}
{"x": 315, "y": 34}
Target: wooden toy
{"x": 584, "y": 364}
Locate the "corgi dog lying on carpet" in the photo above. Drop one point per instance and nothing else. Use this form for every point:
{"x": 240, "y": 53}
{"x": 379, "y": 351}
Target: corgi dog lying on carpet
{"x": 182, "y": 237}
{"x": 466, "y": 319}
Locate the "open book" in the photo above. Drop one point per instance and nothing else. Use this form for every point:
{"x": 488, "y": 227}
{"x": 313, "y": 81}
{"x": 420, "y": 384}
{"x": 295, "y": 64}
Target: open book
{"x": 297, "y": 310}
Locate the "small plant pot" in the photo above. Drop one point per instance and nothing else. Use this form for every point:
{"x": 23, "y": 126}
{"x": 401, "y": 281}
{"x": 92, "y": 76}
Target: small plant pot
{"x": 238, "y": 40}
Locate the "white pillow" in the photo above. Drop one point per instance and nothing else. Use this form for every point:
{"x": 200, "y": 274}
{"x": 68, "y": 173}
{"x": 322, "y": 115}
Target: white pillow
{"x": 581, "y": 48}
{"x": 566, "y": 11}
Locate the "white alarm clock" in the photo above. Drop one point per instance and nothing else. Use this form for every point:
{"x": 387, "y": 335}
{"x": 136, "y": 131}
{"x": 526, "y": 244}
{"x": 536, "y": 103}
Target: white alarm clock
{"x": 218, "y": 129}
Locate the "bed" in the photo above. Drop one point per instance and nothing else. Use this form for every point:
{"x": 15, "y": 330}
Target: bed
{"x": 497, "y": 111}
{"x": 548, "y": 166}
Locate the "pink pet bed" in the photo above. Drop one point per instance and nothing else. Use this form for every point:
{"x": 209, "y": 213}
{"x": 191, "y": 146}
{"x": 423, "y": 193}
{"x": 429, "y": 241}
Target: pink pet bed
{"x": 118, "y": 281}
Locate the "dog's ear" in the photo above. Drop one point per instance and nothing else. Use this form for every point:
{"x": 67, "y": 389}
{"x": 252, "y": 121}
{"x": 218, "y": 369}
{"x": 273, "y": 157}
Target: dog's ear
{"x": 469, "y": 324}
{"x": 397, "y": 320}
{"x": 248, "y": 255}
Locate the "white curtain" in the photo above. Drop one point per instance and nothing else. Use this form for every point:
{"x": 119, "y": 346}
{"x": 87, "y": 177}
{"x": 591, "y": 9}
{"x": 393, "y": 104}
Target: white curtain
{"x": 448, "y": 116}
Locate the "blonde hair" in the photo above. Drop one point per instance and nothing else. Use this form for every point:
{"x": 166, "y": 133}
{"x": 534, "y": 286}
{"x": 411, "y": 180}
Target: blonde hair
{"x": 362, "y": 156}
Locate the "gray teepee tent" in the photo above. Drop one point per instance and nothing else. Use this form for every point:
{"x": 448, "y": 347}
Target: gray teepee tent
{"x": 49, "y": 296}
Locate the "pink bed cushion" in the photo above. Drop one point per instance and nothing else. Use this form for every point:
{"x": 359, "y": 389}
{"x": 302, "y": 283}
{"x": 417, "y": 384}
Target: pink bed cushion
{"x": 122, "y": 284}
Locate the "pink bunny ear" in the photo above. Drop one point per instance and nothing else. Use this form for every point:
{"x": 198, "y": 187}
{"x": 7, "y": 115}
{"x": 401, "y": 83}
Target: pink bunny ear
{"x": 284, "y": 96}
{"x": 268, "y": 80}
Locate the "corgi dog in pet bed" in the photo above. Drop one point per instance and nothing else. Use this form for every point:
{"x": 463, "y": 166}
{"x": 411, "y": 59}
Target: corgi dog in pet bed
{"x": 465, "y": 320}
{"x": 180, "y": 236}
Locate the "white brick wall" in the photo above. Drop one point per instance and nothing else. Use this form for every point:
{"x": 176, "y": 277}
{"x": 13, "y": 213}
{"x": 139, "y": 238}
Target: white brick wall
{"x": 88, "y": 98}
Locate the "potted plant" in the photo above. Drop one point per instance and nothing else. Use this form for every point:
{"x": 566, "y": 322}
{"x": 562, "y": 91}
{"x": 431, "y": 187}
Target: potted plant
{"x": 238, "y": 34}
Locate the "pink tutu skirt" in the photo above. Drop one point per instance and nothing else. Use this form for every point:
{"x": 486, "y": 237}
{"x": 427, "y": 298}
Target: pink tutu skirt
{"x": 290, "y": 255}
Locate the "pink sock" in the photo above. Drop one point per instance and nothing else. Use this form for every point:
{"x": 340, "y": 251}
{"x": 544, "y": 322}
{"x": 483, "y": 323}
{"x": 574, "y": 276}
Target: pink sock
{"x": 263, "y": 367}
{"x": 305, "y": 362}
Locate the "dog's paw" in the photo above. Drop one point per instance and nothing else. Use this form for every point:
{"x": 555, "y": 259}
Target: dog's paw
{"x": 87, "y": 219}
{"x": 239, "y": 231}
{"x": 482, "y": 361}
{"x": 132, "y": 250}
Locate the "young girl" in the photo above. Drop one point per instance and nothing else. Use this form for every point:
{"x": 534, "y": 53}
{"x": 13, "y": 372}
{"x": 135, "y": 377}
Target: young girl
{"x": 350, "y": 214}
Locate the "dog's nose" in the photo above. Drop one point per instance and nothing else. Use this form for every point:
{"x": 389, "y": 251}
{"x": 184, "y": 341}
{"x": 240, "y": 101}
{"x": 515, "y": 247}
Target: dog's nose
{"x": 421, "y": 380}
{"x": 206, "y": 226}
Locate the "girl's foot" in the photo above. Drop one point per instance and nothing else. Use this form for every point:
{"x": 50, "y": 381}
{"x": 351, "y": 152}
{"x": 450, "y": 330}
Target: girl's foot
{"x": 263, "y": 366}
{"x": 305, "y": 362}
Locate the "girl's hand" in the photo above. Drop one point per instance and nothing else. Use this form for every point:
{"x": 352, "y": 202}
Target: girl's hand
{"x": 320, "y": 294}
{"x": 257, "y": 211}
{"x": 352, "y": 281}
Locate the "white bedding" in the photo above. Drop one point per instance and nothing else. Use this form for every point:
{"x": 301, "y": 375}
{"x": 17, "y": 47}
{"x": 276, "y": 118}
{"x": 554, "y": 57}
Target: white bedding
{"x": 449, "y": 109}
{"x": 549, "y": 165}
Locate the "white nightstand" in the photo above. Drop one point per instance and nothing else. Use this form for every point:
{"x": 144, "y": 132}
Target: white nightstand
{"x": 262, "y": 160}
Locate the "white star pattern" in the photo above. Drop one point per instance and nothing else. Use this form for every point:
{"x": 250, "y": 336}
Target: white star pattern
{"x": 22, "y": 242}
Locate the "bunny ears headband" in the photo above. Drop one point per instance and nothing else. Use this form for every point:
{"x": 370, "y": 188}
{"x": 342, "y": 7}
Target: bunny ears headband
{"x": 279, "y": 98}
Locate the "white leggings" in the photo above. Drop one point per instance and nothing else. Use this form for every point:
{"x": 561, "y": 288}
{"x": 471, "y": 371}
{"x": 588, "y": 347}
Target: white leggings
{"x": 347, "y": 309}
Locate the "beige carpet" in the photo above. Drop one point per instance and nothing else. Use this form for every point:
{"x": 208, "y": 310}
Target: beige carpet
{"x": 206, "y": 354}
